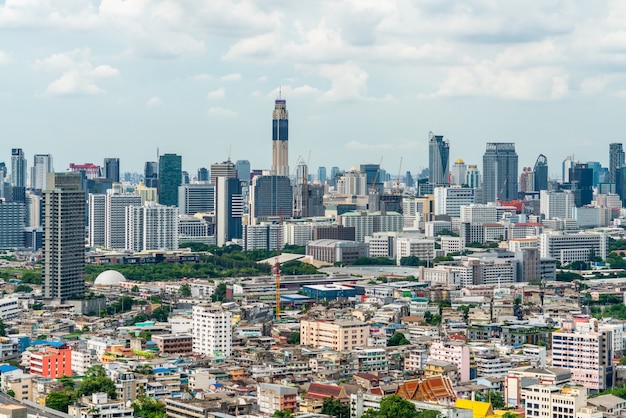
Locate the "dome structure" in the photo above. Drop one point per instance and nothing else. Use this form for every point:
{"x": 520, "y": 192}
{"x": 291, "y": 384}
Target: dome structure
{"x": 459, "y": 161}
{"x": 109, "y": 278}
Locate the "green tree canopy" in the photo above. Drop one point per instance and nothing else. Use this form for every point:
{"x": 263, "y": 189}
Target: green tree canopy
{"x": 396, "y": 339}
{"x": 335, "y": 407}
{"x": 294, "y": 338}
{"x": 146, "y": 407}
{"x": 60, "y": 400}
{"x": 96, "y": 380}
{"x": 161, "y": 313}
{"x": 219, "y": 295}
{"x": 185, "y": 290}
{"x": 282, "y": 414}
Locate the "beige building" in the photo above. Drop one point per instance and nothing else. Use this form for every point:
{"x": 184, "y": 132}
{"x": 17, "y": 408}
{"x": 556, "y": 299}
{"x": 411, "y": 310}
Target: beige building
{"x": 337, "y": 335}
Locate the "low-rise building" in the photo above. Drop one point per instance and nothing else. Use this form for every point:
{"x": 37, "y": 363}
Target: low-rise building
{"x": 271, "y": 398}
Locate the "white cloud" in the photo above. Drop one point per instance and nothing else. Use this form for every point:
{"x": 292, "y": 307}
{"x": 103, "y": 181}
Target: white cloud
{"x": 348, "y": 82}
{"x": 78, "y": 75}
{"x": 203, "y": 77}
{"x": 288, "y": 91}
{"x": 4, "y": 58}
{"x": 220, "y": 112}
{"x": 231, "y": 77}
{"x": 154, "y": 102}
{"x": 216, "y": 94}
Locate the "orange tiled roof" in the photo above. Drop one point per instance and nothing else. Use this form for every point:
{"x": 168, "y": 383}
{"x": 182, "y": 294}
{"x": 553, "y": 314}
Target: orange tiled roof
{"x": 431, "y": 389}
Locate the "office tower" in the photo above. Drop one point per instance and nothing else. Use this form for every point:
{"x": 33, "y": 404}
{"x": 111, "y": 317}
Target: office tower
{"x": 112, "y": 169}
{"x": 409, "y": 179}
{"x": 499, "y": 172}
{"x": 12, "y": 225}
{"x": 33, "y": 210}
{"x": 527, "y": 180}
{"x": 170, "y": 177}
{"x": 472, "y": 177}
{"x": 321, "y": 174}
{"x": 228, "y": 210}
{"x": 438, "y": 160}
{"x": 334, "y": 172}
{"x": 226, "y": 169}
{"x": 212, "y": 331}
{"x": 185, "y": 177}
{"x": 42, "y": 165}
{"x": 300, "y": 191}
{"x": 18, "y": 168}
{"x": 115, "y": 218}
{"x": 151, "y": 174}
{"x": 556, "y": 204}
{"x": 280, "y": 136}
{"x": 64, "y": 237}
{"x": 243, "y": 170}
{"x": 541, "y": 173}
{"x": 448, "y": 200}
{"x": 270, "y": 198}
{"x": 97, "y": 219}
{"x": 616, "y": 160}
{"x": 600, "y": 174}
{"x": 567, "y": 164}
{"x": 203, "y": 174}
{"x": 196, "y": 198}
{"x": 372, "y": 174}
{"x": 457, "y": 174}
{"x": 3, "y": 171}
{"x": 353, "y": 183}
{"x": 581, "y": 183}
{"x": 151, "y": 227}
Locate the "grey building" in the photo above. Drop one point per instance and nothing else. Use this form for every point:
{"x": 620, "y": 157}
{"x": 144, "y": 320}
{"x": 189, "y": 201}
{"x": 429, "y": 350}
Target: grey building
{"x": 499, "y": 172}
{"x": 196, "y": 198}
{"x": 271, "y": 198}
{"x": 12, "y": 224}
{"x": 438, "y": 160}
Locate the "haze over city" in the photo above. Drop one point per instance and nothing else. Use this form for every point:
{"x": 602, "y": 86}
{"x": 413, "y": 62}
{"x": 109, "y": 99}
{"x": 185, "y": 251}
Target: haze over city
{"x": 363, "y": 79}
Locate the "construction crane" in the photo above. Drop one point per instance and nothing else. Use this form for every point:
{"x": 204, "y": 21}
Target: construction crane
{"x": 397, "y": 190}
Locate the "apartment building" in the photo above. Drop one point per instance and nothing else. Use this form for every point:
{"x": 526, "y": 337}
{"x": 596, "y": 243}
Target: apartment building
{"x": 53, "y": 362}
{"x": 271, "y": 398}
{"x": 212, "y": 330}
{"x": 338, "y": 335}
{"x": 453, "y": 352}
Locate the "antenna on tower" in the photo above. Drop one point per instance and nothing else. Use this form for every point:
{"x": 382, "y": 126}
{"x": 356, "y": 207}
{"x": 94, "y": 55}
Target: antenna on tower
{"x": 230, "y": 148}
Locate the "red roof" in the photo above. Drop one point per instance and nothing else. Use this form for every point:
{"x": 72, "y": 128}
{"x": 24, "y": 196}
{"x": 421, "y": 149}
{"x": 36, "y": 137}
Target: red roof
{"x": 322, "y": 391}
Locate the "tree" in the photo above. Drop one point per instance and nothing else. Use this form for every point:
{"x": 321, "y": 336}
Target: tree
{"x": 142, "y": 317}
{"x": 294, "y": 338}
{"x": 3, "y": 331}
{"x": 146, "y": 407}
{"x": 22, "y": 288}
{"x": 96, "y": 380}
{"x": 59, "y": 400}
{"x": 10, "y": 393}
{"x": 335, "y": 407}
{"x": 161, "y": 314}
{"x": 144, "y": 369}
{"x": 134, "y": 289}
{"x": 219, "y": 295}
{"x": 396, "y": 339}
{"x": 393, "y": 406}
{"x": 510, "y": 415}
{"x": 67, "y": 382}
{"x": 282, "y": 414}
{"x": 184, "y": 290}
{"x": 495, "y": 398}
{"x": 411, "y": 261}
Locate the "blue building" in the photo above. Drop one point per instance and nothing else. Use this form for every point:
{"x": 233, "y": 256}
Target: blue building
{"x": 329, "y": 291}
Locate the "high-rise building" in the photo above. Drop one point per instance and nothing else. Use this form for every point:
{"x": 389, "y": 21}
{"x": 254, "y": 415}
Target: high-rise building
{"x": 89, "y": 170}
{"x": 438, "y": 160}
{"x": 18, "y": 168}
{"x": 64, "y": 237}
{"x": 42, "y": 165}
{"x": 448, "y": 200}
{"x": 321, "y": 174}
{"x": 226, "y": 169}
{"x": 97, "y": 219}
{"x": 499, "y": 172}
{"x": 556, "y": 204}
{"x": 616, "y": 159}
{"x": 185, "y": 177}
{"x": 581, "y": 183}
{"x": 567, "y": 164}
{"x": 151, "y": 174}
{"x": 334, "y": 172}
{"x": 271, "y": 198}
{"x": 527, "y": 180}
{"x": 196, "y": 198}
{"x": 12, "y": 225}
{"x": 151, "y": 227}
{"x": 112, "y": 169}
{"x": 203, "y": 175}
{"x": 170, "y": 177}
{"x": 457, "y": 174}
{"x": 228, "y": 210}
{"x": 541, "y": 173}
{"x": 280, "y": 137}
{"x": 472, "y": 177}
{"x": 243, "y": 170}
{"x": 115, "y": 218}
{"x": 212, "y": 330}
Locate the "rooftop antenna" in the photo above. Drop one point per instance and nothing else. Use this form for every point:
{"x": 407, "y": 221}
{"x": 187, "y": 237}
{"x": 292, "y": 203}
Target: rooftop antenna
{"x": 230, "y": 148}
{"x": 280, "y": 92}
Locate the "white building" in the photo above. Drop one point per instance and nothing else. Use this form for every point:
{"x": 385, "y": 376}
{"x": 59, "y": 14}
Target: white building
{"x": 451, "y": 244}
{"x": 424, "y": 249}
{"x": 556, "y": 204}
{"x": 151, "y": 227}
{"x": 545, "y": 400}
{"x": 212, "y": 331}
{"x": 9, "y": 308}
{"x": 448, "y": 200}
{"x": 458, "y": 172}
{"x": 264, "y": 236}
{"x": 82, "y": 360}
{"x": 479, "y": 214}
{"x": 115, "y": 218}
{"x": 42, "y": 165}
{"x": 97, "y": 220}
{"x": 366, "y": 223}
{"x": 432, "y": 228}
{"x": 195, "y": 229}
{"x": 570, "y": 247}
{"x": 196, "y": 198}
{"x": 382, "y": 244}
{"x": 457, "y": 353}
{"x": 99, "y": 405}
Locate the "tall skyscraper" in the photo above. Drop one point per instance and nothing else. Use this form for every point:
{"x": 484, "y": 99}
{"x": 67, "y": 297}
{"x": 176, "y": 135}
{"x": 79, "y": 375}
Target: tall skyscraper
{"x": 280, "y": 136}
{"x": 457, "y": 176}
{"x": 97, "y": 219}
{"x": 271, "y": 197}
{"x": 64, "y": 237}
{"x": 228, "y": 209}
{"x": 151, "y": 174}
{"x": 568, "y": 163}
{"x": 321, "y": 174}
{"x": 541, "y": 173}
{"x": 151, "y": 227}
{"x": 18, "y": 168}
{"x": 581, "y": 183}
{"x": 196, "y": 198}
{"x": 203, "y": 174}
{"x": 616, "y": 159}
{"x": 499, "y": 172}
{"x": 226, "y": 169}
{"x": 42, "y": 165}
{"x": 243, "y": 170}
{"x": 115, "y": 218}
{"x": 170, "y": 177}
{"x": 438, "y": 160}
{"x": 112, "y": 169}
{"x": 472, "y": 177}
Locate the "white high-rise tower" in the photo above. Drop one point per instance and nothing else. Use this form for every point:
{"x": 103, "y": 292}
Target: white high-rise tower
{"x": 280, "y": 136}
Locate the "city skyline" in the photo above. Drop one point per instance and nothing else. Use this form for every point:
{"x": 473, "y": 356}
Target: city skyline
{"x": 363, "y": 80}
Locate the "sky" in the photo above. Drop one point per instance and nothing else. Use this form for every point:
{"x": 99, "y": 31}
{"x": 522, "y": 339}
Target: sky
{"x": 363, "y": 79}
